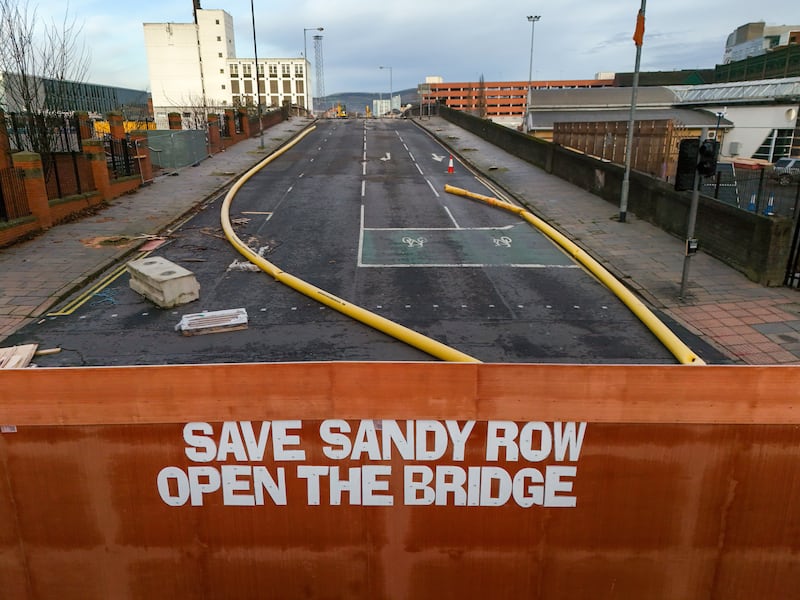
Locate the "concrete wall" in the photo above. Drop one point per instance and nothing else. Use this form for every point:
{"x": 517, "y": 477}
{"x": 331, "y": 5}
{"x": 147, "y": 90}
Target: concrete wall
{"x": 755, "y": 245}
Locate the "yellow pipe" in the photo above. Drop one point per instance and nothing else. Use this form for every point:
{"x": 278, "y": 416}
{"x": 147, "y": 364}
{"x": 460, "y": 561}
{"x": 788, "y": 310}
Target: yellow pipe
{"x": 404, "y": 334}
{"x": 672, "y": 342}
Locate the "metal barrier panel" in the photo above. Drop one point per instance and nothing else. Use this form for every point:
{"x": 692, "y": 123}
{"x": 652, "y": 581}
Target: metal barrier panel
{"x": 173, "y": 149}
{"x": 435, "y": 480}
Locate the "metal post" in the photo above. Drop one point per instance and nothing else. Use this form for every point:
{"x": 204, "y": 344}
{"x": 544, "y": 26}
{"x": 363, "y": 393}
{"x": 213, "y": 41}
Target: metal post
{"x": 532, "y": 19}
{"x": 623, "y": 200}
{"x": 691, "y": 221}
{"x": 258, "y": 95}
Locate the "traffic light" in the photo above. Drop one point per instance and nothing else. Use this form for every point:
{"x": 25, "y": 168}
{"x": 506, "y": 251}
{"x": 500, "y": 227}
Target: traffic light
{"x": 687, "y": 164}
{"x": 707, "y": 159}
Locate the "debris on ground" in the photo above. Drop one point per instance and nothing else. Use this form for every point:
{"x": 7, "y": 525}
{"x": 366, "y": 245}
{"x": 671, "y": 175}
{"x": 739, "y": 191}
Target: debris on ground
{"x": 215, "y": 321}
{"x": 17, "y": 357}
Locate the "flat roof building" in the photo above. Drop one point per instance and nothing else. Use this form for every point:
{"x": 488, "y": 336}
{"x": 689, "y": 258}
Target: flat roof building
{"x": 194, "y": 68}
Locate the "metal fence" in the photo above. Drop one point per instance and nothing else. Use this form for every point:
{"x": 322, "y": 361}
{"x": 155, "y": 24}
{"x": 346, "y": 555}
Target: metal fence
{"x": 43, "y": 133}
{"x": 121, "y": 157}
{"x": 13, "y": 200}
{"x": 753, "y": 190}
{"x": 173, "y": 149}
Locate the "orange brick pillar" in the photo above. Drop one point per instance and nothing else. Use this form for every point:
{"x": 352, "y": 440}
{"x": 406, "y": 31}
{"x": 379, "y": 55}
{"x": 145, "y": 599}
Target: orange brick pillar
{"x": 213, "y": 133}
{"x": 35, "y": 186}
{"x": 139, "y": 139}
{"x": 117, "y": 125}
{"x": 245, "y": 122}
{"x": 175, "y": 120}
{"x": 85, "y": 128}
{"x": 95, "y": 153}
{"x": 230, "y": 122}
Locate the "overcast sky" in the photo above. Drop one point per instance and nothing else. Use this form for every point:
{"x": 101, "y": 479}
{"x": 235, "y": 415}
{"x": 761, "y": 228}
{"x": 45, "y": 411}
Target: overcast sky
{"x": 459, "y": 41}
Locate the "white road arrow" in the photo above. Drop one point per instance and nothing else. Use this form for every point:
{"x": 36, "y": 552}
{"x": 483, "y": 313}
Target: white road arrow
{"x": 437, "y": 158}
{"x": 387, "y": 157}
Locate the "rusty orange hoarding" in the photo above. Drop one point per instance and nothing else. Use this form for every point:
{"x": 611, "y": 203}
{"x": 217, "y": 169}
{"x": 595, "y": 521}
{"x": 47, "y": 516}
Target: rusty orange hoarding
{"x": 357, "y": 480}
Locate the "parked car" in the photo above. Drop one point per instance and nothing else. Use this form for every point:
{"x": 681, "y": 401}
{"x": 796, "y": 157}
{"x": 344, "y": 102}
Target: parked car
{"x": 786, "y": 170}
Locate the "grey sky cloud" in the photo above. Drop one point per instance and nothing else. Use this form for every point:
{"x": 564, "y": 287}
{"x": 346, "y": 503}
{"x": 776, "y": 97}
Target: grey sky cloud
{"x": 459, "y": 41}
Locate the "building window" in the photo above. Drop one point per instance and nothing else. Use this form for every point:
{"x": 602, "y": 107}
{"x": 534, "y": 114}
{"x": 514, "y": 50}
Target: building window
{"x": 261, "y": 69}
{"x": 247, "y": 70}
{"x": 298, "y": 70}
{"x": 222, "y": 71}
{"x": 234, "y": 70}
{"x": 286, "y": 70}
{"x": 217, "y": 21}
{"x": 777, "y": 144}
{"x": 219, "y": 54}
{"x": 223, "y": 86}
{"x": 219, "y": 38}
{"x": 273, "y": 70}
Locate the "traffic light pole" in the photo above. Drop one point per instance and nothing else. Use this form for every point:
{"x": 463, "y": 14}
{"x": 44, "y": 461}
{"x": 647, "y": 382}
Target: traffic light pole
{"x": 691, "y": 243}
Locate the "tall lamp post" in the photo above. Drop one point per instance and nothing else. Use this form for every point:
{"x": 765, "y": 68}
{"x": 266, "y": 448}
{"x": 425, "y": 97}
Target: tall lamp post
{"x": 532, "y": 19}
{"x": 390, "y": 87}
{"x": 258, "y": 92}
{"x": 309, "y": 94}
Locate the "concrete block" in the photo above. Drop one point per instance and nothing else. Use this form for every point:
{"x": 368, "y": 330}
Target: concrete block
{"x": 163, "y": 282}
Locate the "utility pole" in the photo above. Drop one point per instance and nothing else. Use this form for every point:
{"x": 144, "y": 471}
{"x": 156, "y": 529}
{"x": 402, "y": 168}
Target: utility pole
{"x": 638, "y": 38}
{"x": 532, "y": 19}
{"x": 691, "y": 242}
{"x": 258, "y": 91}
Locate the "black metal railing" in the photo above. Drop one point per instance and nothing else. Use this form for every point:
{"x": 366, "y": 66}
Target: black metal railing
{"x": 43, "y": 133}
{"x": 121, "y": 157}
{"x": 13, "y": 199}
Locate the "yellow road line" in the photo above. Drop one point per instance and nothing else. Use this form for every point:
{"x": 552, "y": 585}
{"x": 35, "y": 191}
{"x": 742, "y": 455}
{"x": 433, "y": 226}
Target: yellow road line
{"x": 100, "y": 285}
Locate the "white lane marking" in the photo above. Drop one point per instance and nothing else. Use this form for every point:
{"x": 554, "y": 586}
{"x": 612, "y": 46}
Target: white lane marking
{"x": 438, "y": 228}
{"x": 300, "y": 176}
{"x": 469, "y": 265}
{"x": 290, "y": 189}
{"x": 452, "y": 218}
{"x": 364, "y": 168}
{"x": 363, "y": 188}
{"x": 412, "y": 157}
{"x": 419, "y": 169}
{"x": 359, "y": 262}
{"x": 406, "y": 147}
{"x": 433, "y": 189}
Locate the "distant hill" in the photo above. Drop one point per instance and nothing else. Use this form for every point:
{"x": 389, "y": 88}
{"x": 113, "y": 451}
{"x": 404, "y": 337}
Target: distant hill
{"x": 357, "y": 101}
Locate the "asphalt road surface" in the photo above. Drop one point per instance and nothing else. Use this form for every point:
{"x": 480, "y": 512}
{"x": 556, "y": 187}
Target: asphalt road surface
{"x": 359, "y": 209}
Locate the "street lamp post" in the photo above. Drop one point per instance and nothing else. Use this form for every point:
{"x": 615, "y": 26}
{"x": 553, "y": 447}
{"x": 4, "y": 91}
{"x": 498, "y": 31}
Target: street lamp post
{"x": 390, "y": 86}
{"x": 309, "y": 94}
{"x": 258, "y": 95}
{"x": 532, "y": 19}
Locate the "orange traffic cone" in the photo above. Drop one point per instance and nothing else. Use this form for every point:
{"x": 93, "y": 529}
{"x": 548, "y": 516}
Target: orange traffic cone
{"x": 450, "y": 169}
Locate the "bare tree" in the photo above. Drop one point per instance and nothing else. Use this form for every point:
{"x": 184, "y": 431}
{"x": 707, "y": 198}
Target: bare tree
{"x": 39, "y": 62}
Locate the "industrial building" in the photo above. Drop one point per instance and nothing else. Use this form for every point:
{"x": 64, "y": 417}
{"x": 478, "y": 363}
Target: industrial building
{"x": 71, "y": 96}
